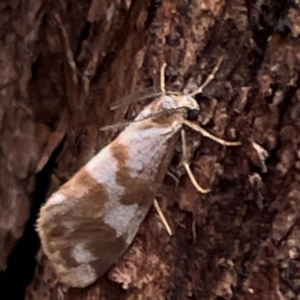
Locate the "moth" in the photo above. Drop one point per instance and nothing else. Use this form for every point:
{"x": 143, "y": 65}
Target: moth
{"x": 88, "y": 224}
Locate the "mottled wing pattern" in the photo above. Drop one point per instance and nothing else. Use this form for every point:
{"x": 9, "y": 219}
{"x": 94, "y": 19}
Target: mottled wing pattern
{"x": 87, "y": 225}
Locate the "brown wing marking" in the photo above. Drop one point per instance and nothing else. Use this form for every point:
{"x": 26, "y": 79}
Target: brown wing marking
{"x": 81, "y": 184}
{"x": 137, "y": 191}
{"x": 78, "y": 221}
{"x": 99, "y": 240}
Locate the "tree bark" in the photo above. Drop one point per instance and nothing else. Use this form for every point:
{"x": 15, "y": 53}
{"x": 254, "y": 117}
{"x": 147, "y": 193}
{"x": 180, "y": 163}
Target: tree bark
{"x": 64, "y": 63}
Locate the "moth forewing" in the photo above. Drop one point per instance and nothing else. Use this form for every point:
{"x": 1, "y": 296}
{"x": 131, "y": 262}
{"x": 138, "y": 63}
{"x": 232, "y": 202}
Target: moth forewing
{"x": 87, "y": 225}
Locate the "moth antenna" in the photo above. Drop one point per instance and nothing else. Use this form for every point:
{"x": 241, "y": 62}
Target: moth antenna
{"x": 209, "y": 135}
{"x": 124, "y": 124}
{"x": 162, "y": 217}
{"x": 210, "y": 77}
{"x": 151, "y": 92}
{"x": 187, "y": 167}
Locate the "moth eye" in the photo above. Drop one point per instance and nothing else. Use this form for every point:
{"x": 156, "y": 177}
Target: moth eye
{"x": 192, "y": 114}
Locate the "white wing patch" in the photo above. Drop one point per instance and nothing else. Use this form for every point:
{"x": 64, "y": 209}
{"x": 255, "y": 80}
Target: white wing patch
{"x": 81, "y": 254}
{"x": 120, "y": 217}
{"x": 103, "y": 168}
{"x": 145, "y": 147}
{"x": 56, "y": 198}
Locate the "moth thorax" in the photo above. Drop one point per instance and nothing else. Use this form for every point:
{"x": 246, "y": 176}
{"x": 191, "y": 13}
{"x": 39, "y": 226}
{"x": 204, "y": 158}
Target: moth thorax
{"x": 186, "y": 101}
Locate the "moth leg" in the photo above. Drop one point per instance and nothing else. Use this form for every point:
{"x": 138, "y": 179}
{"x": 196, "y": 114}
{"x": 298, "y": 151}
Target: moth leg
{"x": 187, "y": 167}
{"x": 162, "y": 78}
{"x": 162, "y": 217}
{"x": 210, "y": 77}
{"x": 176, "y": 180}
{"x": 207, "y": 134}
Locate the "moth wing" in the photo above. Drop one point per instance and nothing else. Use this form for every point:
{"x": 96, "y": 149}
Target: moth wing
{"x": 81, "y": 234}
{"x": 87, "y": 225}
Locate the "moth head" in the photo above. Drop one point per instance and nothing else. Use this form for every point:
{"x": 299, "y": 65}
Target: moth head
{"x": 175, "y": 102}
{"x": 189, "y": 104}
{"x": 172, "y": 103}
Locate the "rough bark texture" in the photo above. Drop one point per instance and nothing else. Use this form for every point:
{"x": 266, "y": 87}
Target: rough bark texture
{"x": 63, "y": 63}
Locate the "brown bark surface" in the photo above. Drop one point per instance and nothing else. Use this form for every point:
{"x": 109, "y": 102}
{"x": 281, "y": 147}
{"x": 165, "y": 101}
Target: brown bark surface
{"x": 63, "y": 63}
